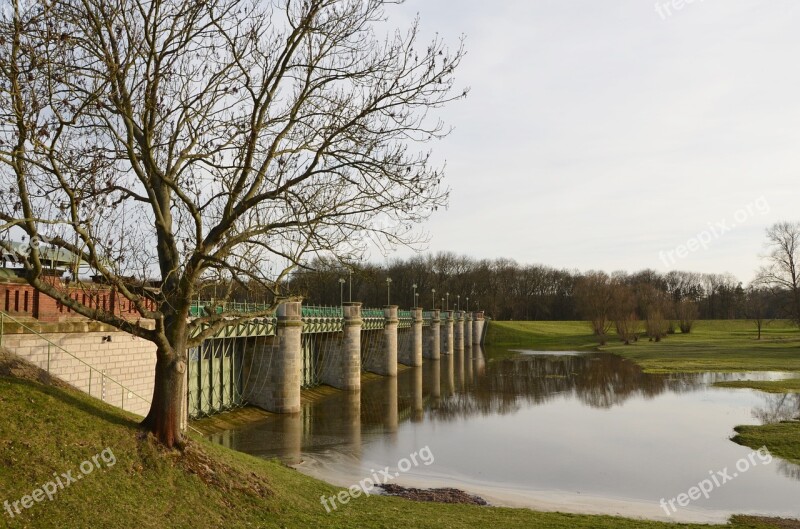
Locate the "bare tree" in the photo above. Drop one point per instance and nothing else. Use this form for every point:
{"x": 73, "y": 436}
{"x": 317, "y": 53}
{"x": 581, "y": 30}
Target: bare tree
{"x": 172, "y": 144}
{"x": 757, "y": 302}
{"x": 595, "y": 301}
{"x": 781, "y": 273}
{"x": 686, "y": 311}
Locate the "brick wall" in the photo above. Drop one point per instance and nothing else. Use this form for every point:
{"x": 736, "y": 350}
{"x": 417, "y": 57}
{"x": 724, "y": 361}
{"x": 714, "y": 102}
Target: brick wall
{"x": 127, "y": 359}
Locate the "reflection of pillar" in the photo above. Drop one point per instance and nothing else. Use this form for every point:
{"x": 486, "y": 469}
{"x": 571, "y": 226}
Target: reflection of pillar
{"x": 390, "y": 412}
{"x": 459, "y": 368}
{"x": 468, "y": 330}
{"x": 477, "y": 328}
{"x": 384, "y": 361}
{"x": 343, "y": 371}
{"x": 433, "y": 344}
{"x": 417, "y": 409}
{"x": 448, "y": 333}
{"x": 435, "y": 374}
{"x": 459, "y": 331}
{"x": 290, "y": 432}
{"x": 479, "y": 361}
{"x": 448, "y": 375}
{"x": 468, "y": 366}
{"x": 281, "y": 391}
{"x": 351, "y": 421}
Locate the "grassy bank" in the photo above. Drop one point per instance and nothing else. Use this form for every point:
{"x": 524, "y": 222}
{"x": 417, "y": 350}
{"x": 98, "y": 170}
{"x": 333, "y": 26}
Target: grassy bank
{"x": 791, "y": 385}
{"x": 782, "y": 439}
{"x": 711, "y": 346}
{"x": 47, "y": 429}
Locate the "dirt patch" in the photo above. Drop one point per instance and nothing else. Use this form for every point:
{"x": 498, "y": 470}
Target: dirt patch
{"x": 13, "y": 366}
{"x": 219, "y": 475}
{"x": 445, "y": 495}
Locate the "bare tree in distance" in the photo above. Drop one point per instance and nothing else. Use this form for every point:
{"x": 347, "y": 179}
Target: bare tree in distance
{"x": 756, "y": 307}
{"x": 175, "y": 144}
{"x": 781, "y": 273}
{"x": 686, "y": 312}
{"x": 594, "y": 293}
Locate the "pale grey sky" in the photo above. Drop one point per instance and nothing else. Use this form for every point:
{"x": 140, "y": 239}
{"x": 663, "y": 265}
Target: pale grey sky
{"x": 600, "y": 133}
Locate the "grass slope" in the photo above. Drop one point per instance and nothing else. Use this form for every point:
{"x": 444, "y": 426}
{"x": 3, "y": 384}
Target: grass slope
{"x": 47, "y": 429}
{"x": 711, "y": 346}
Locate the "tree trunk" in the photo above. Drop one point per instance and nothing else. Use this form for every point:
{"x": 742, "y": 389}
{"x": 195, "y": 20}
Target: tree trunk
{"x": 165, "y": 417}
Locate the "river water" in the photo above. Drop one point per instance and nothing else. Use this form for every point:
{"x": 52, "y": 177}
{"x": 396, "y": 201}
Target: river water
{"x": 587, "y": 433}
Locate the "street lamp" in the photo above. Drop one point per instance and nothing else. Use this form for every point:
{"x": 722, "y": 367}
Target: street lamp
{"x": 388, "y": 290}
{"x": 448, "y": 301}
{"x": 433, "y": 298}
{"x": 458, "y": 302}
{"x": 341, "y": 290}
{"x": 467, "y": 304}
{"x": 350, "y": 273}
{"x": 414, "y": 286}
{"x": 442, "y": 305}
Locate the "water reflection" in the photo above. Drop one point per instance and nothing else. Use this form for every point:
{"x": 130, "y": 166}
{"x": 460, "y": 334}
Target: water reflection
{"x": 590, "y": 423}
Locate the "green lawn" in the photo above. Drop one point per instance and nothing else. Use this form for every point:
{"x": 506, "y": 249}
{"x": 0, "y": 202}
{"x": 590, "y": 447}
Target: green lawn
{"x": 47, "y": 430}
{"x": 782, "y": 439}
{"x": 791, "y": 385}
{"x": 711, "y": 346}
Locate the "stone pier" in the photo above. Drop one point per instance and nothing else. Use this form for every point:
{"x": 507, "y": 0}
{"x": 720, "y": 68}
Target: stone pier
{"x": 458, "y": 331}
{"x": 449, "y": 339}
{"x": 344, "y": 370}
{"x": 384, "y": 361}
{"x": 411, "y": 353}
{"x": 477, "y": 328}
{"x": 281, "y": 392}
{"x": 468, "y": 330}
{"x": 432, "y": 340}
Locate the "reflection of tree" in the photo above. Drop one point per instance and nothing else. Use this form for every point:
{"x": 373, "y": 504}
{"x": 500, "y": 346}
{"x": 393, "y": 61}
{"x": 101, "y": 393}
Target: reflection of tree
{"x": 599, "y": 380}
{"x": 777, "y": 408}
{"x": 790, "y": 470}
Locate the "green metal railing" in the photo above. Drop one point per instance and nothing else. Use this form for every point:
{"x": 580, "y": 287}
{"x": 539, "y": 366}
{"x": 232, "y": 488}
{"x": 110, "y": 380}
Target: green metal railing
{"x": 200, "y": 307}
{"x": 322, "y": 312}
{"x": 372, "y": 313}
{"x": 51, "y": 346}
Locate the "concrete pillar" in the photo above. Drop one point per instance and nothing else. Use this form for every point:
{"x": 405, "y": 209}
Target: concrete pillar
{"x": 448, "y": 333}
{"x": 477, "y": 328}
{"x": 459, "y": 330}
{"x": 385, "y": 362}
{"x": 344, "y": 371}
{"x": 281, "y": 392}
{"x": 468, "y": 330}
{"x": 432, "y": 345}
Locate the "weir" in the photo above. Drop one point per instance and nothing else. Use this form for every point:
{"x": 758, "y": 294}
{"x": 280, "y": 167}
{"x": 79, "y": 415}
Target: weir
{"x": 264, "y": 362}
{"x": 306, "y": 347}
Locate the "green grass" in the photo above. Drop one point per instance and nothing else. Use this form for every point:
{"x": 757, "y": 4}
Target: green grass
{"x": 782, "y": 439}
{"x": 47, "y": 429}
{"x": 791, "y": 385}
{"x": 711, "y": 346}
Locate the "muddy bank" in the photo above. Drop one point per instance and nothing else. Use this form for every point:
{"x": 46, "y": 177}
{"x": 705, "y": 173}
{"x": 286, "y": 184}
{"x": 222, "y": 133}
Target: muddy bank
{"x": 445, "y": 495}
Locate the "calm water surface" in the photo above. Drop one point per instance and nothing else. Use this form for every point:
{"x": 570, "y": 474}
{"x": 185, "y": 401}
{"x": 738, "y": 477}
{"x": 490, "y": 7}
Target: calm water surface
{"x": 552, "y": 431}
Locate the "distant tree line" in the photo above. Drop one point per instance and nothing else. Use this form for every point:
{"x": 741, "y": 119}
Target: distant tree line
{"x": 508, "y": 290}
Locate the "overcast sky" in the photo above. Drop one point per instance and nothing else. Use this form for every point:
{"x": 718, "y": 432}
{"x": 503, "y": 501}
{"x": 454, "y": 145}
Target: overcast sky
{"x": 602, "y": 134}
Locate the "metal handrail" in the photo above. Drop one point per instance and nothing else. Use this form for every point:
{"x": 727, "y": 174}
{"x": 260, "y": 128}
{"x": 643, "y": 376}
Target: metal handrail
{"x": 310, "y": 311}
{"x": 373, "y": 313}
{"x": 50, "y": 344}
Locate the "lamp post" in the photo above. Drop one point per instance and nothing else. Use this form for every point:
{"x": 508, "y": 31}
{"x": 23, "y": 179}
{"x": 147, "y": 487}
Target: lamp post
{"x": 416, "y": 299}
{"x": 447, "y": 307}
{"x": 442, "y": 305}
{"x": 388, "y": 290}
{"x": 341, "y": 290}
{"x": 468, "y": 304}
{"x": 433, "y": 299}
{"x": 414, "y": 287}
{"x": 458, "y": 302}
{"x": 350, "y": 274}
